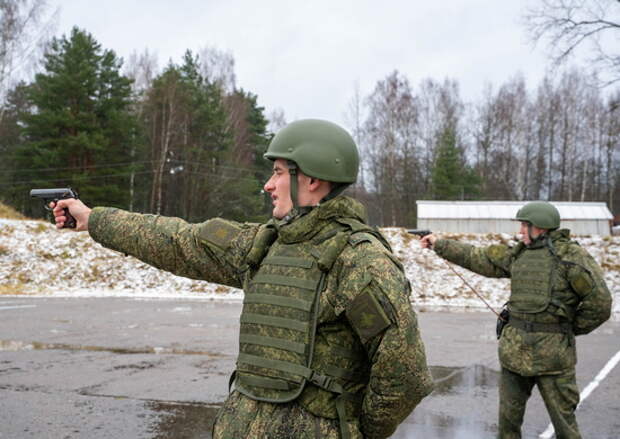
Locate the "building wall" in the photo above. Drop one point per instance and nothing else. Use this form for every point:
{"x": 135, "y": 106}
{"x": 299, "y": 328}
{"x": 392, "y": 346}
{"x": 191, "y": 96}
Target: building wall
{"x": 577, "y": 227}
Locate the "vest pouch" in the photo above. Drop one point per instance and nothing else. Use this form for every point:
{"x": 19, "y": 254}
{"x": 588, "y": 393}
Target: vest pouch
{"x": 265, "y": 236}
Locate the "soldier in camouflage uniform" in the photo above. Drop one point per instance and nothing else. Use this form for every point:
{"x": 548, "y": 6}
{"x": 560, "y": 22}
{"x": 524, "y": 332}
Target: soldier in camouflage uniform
{"x": 329, "y": 343}
{"x": 557, "y": 291}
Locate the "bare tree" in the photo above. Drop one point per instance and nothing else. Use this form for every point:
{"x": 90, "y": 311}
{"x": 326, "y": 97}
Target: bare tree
{"x": 277, "y": 120}
{"x": 568, "y": 25}
{"x": 505, "y": 141}
{"x": 391, "y": 148}
{"x": 354, "y": 117}
{"x": 141, "y": 68}
{"x": 218, "y": 67}
{"x": 429, "y": 126}
{"x": 544, "y": 115}
{"x": 25, "y": 28}
{"x": 611, "y": 150}
{"x": 164, "y": 123}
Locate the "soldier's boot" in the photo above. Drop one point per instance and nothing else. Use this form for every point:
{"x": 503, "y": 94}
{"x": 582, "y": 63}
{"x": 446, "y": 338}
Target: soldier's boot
{"x": 561, "y": 397}
{"x": 514, "y": 391}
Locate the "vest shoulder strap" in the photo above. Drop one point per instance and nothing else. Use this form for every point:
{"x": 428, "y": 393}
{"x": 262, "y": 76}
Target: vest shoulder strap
{"x": 265, "y": 236}
{"x": 360, "y": 232}
{"x": 565, "y": 262}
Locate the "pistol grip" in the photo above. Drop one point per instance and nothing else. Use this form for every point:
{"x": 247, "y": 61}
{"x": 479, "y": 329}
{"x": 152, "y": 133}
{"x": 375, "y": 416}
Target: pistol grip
{"x": 70, "y": 221}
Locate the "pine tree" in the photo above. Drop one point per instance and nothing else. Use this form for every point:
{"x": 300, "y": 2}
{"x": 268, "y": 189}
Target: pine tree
{"x": 11, "y": 137}
{"x": 79, "y": 133}
{"x": 452, "y": 178}
{"x": 204, "y": 145}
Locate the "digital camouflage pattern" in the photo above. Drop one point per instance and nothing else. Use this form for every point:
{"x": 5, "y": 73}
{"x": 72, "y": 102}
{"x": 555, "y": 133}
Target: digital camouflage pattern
{"x": 242, "y": 417}
{"x": 578, "y": 294}
{"x": 559, "y": 392}
{"x": 220, "y": 251}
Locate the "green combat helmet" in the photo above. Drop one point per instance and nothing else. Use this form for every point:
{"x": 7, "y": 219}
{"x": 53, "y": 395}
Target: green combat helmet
{"x": 541, "y": 214}
{"x": 320, "y": 149}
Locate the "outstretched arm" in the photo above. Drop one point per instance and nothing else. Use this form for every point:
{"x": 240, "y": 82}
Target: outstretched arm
{"x": 492, "y": 261}
{"x": 212, "y": 251}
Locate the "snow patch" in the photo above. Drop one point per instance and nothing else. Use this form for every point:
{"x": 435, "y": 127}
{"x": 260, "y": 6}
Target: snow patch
{"x": 36, "y": 259}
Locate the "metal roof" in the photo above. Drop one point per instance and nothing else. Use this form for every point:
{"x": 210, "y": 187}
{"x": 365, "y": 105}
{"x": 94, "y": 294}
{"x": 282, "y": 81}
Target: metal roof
{"x": 507, "y": 209}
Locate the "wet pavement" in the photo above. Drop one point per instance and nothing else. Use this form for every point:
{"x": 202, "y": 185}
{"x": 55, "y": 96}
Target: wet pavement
{"x": 158, "y": 369}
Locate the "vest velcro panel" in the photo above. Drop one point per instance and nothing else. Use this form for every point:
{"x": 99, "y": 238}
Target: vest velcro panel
{"x": 531, "y": 280}
{"x": 278, "y": 324}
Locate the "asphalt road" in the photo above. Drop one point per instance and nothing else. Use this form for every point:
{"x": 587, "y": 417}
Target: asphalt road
{"x": 131, "y": 368}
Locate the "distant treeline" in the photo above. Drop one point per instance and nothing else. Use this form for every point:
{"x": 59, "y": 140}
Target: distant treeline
{"x": 561, "y": 142}
{"x": 187, "y": 141}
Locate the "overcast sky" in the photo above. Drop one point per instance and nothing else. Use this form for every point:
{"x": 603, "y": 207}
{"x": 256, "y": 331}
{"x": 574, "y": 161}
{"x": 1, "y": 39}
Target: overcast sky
{"x": 305, "y": 57}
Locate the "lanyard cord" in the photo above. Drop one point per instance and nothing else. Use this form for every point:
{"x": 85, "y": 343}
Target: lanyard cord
{"x": 472, "y": 288}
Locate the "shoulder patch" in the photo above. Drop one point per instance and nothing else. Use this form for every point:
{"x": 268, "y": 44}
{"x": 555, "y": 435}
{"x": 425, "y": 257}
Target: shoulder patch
{"x": 219, "y": 232}
{"x": 357, "y": 238}
{"x": 581, "y": 281}
{"x": 497, "y": 252}
{"x": 367, "y": 316}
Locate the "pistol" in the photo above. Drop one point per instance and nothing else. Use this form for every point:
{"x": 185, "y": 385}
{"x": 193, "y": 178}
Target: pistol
{"x": 420, "y": 232}
{"x": 48, "y": 195}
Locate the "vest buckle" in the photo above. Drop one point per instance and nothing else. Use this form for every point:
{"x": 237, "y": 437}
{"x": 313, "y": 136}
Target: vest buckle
{"x": 324, "y": 382}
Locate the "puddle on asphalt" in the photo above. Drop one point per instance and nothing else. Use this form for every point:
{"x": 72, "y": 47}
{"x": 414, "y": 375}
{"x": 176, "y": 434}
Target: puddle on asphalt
{"x": 463, "y": 405}
{"x": 18, "y": 345}
{"x": 477, "y": 378}
{"x": 183, "y": 421}
{"x": 460, "y": 386}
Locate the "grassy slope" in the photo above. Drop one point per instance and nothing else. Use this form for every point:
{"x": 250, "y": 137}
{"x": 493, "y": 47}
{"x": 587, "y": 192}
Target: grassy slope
{"x": 10, "y": 213}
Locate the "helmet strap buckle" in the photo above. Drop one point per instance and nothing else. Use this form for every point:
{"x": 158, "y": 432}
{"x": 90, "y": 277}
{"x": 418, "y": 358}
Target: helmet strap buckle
{"x": 292, "y": 170}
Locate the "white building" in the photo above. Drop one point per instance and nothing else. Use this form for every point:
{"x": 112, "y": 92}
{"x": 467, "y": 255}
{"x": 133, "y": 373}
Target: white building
{"x": 582, "y": 218}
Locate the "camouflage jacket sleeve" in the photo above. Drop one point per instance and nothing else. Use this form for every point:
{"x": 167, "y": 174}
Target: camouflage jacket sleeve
{"x": 491, "y": 261}
{"x": 213, "y": 251}
{"x": 399, "y": 376}
{"x": 586, "y": 280}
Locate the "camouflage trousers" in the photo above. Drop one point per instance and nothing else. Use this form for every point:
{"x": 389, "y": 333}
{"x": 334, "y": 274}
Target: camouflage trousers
{"x": 242, "y": 417}
{"x": 559, "y": 392}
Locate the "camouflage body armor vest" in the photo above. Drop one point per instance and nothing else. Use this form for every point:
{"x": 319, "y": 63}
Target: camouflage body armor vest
{"x": 277, "y": 355}
{"x": 531, "y": 279}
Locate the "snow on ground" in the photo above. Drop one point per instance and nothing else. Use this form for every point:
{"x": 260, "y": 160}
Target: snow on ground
{"x": 36, "y": 259}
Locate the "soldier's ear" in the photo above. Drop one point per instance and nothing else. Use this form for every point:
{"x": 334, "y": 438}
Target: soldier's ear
{"x": 314, "y": 184}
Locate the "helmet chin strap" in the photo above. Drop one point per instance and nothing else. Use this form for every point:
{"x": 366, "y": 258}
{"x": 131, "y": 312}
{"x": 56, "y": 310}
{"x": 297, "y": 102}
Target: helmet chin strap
{"x": 292, "y": 170}
{"x": 298, "y": 210}
{"x": 529, "y": 234}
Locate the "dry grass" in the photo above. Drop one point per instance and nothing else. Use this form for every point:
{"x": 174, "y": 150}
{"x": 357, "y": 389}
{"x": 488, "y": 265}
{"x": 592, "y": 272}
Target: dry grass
{"x": 39, "y": 228}
{"x": 95, "y": 274}
{"x": 222, "y": 289}
{"x": 50, "y": 256}
{"x": 10, "y": 213}
{"x": 610, "y": 266}
{"x": 408, "y": 237}
{"x": 14, "y": 289}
